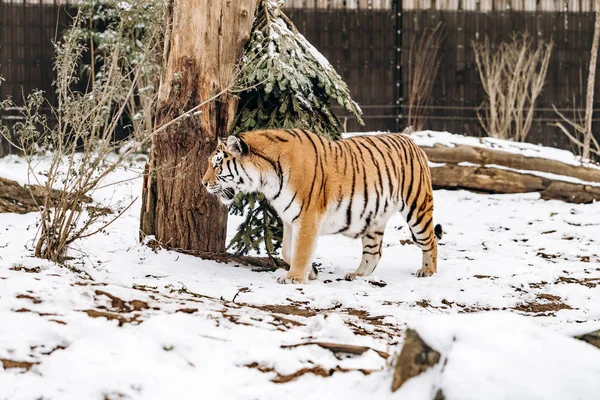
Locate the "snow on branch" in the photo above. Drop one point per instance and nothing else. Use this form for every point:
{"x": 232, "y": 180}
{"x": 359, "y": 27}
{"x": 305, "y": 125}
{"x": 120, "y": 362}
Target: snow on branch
{"x": 292, "y": 84}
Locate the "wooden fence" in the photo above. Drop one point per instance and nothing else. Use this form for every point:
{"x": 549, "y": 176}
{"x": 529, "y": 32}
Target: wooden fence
{"x": 367, "y": 41}
{"x": 27, "y": 30}
{"x": 362, "y": 44}
{"x": 451, "y": 5}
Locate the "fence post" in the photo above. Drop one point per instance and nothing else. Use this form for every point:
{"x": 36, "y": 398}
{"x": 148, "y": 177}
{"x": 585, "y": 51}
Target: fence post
{"x": 398, "y": 60}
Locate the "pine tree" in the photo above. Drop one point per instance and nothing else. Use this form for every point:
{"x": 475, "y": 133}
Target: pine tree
{"x": 291, "y": 86}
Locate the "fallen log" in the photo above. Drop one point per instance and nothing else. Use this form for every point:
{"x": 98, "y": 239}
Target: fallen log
{"x": 496, "y": 180}
{"x": 18, "y": 199}
{"x": 485, "y": 179}
{"x": 484, "y": 156}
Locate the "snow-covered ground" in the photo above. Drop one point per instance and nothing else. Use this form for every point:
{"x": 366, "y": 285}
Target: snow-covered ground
{"x": 517, "y": 276}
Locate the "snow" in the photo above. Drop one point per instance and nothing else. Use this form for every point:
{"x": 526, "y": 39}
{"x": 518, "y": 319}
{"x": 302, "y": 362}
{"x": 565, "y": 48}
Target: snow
{"x": 503, "y": 356}
{"x": 517, "y": 277}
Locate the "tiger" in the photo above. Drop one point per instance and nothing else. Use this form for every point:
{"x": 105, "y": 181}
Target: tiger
{"x": 318, "y": 187}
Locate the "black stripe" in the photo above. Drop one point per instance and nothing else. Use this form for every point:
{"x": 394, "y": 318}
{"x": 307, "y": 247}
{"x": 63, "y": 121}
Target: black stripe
{"x": 427, "y": 225}
{"x": 387, "y": 170}
{"x": 299, "y": 212}
{"x": 410, "y": 173}
{"x": 244, "y": 169}
{"x": 292, "y": 133}
{"x": 324, "y": 149}
{"x": 367, "y": 222}
{"x": 280, "y": 139}
{"x": 280, "y": 174}
{"x": 421, "y": 213}
{"x": 291, "y": 201}
{"x": 350, "y": 154}
{"x": 376, "y": 163}
{"x": 399, "y": 175}
{"x": 312, "y": 186}
{"x": 235, "y": 167}
{"x": 370, "y": 246}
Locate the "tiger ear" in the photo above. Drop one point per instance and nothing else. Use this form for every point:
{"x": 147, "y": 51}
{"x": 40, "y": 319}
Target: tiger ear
{"x": 237, "y": 146}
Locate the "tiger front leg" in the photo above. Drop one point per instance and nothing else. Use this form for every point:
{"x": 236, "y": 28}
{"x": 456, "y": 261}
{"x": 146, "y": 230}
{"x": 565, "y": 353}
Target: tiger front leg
{"x": 286, "y": 248}
{"x": 286, "y": 245}
{"x": 372, "y": 247}
{"x": 304, "y": 241}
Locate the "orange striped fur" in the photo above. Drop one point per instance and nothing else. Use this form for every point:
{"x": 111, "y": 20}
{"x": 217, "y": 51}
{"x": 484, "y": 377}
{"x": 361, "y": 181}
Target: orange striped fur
{"x": 318, "y": 187}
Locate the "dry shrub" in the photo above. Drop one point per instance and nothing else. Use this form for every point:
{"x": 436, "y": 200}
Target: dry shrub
{"x": 512, "y": 76}
{"x": 423, "y": 65}
{"x": 583, "y": 137}
{"x": 81, "y": 141}
{"x": 579, "y": 133}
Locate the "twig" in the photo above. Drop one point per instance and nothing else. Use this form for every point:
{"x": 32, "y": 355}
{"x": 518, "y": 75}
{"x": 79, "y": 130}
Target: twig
{"x": 339, "y": 348}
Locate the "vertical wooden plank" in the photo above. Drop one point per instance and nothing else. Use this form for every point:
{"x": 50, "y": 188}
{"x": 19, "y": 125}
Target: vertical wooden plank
{"x": 486, "y": 5}
{"x": 586, "y": 5}
{"x": 573, "y": 6}
{"x": 351, "y": 4}
{"x": 409, "y": 5}
{"x": 321, "y": 4}
{"x": 529, "y": 5}
{"x": 336, "y": 4}
{"x": 427, "y": 5}
{"x": 546, "y": 5}
{"x": 469, "y": 5}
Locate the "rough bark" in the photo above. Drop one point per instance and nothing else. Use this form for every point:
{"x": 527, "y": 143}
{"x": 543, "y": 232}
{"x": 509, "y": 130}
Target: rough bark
{"x": 18, "y": 199}
{"x": 571, "y": 192}
{"x": 484, "y": 179}
{"x": 414, "y": 358}
{"x": 483, "y": 156}
{"x": 589, "y": 101}
{"x": 494, "y": 180}
{"x": 203, "y": 46}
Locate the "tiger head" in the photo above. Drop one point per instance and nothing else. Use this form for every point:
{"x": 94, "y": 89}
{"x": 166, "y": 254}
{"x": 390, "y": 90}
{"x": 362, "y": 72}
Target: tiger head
{"x": 222, "y": 177}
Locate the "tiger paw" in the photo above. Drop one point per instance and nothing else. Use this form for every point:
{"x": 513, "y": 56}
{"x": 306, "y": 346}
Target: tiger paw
{"x": 287, "y": 279}
{"x": 352, "y": 276}
{"x": 424, "y": 272}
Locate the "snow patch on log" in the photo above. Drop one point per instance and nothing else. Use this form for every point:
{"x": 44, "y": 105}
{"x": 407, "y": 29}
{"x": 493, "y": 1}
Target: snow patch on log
{"x": 431, "y": 138}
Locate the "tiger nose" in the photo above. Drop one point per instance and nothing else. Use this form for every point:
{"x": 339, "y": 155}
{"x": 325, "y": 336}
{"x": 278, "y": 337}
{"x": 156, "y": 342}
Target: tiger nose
{"x": 205, "y": 183}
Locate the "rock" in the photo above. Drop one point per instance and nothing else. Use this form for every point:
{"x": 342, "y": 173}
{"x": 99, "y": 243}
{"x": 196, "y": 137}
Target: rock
{"x": 592, "y": 338}
{"x": 415, "y": 358}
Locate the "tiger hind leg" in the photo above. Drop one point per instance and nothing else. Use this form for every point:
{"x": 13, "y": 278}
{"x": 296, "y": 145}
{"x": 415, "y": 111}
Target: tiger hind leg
{"x": 372, "y": 246}
{"x": 425, "y": 235}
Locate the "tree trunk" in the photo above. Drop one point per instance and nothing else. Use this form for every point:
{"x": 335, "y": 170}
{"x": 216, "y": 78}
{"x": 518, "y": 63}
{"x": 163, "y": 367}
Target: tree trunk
{"x": 202, "y": 47}
{"x": 589, "y": 101}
